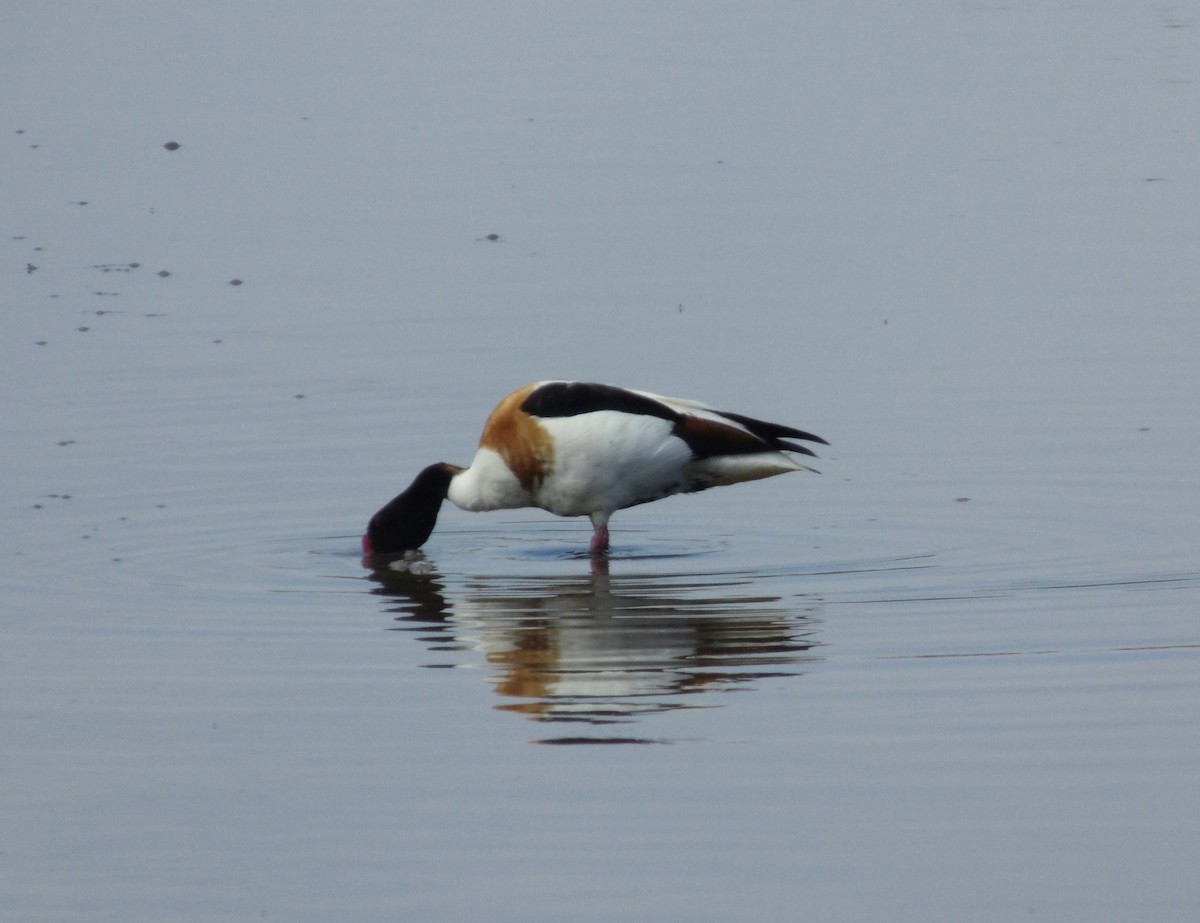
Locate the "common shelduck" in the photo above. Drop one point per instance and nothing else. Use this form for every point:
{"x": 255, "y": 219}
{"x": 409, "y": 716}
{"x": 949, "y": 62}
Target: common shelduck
{"x": 579, "y": 449}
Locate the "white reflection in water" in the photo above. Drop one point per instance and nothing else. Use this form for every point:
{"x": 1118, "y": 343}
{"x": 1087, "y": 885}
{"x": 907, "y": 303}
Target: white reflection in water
{"x": 598, "y": 649}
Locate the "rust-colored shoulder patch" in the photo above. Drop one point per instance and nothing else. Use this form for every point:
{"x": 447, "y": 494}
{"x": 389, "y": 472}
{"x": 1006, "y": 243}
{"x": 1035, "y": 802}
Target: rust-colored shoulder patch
{"x": 519, "y": 439}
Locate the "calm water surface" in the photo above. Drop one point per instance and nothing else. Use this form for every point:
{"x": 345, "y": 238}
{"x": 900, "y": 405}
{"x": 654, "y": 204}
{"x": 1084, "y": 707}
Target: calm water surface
{"x": 954, "y": 677}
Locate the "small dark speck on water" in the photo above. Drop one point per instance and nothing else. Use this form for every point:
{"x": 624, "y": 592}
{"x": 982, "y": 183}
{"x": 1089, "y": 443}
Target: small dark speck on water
{"x": 83, "y": 329}
{"x": 172, "y": 145}
{"x": 962, "y": 499}
{"x": 67, "y": 442}
{"x": 1143, "y": 429}
{"x": 41, "y": 342}
{"x": 299, "y": 397}
{"x": 235, "y": 281}
{"x": 218, "y": 341}
{"x": 81, "y": 203}
{"x": 493, "y": 237}
{"x": 569, "y": 741}
{"x": 1154, "y": 179}
{"x": 162, "y": 273}
{"x": 30, "y": 268}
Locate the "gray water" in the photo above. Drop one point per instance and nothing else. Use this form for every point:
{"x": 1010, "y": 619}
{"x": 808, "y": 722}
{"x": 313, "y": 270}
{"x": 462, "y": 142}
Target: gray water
{"x": 953, "y": 677}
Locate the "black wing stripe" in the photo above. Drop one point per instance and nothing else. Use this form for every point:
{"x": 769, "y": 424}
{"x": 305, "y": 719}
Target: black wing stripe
{"x": 571, "y": 398}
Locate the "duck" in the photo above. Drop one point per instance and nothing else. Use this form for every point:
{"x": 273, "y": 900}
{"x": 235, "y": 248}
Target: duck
{"x": 577, "y": 448}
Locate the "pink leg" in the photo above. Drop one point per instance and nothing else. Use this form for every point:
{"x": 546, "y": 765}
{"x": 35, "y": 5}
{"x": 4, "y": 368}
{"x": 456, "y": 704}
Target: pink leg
{"x": 599, "y": 543}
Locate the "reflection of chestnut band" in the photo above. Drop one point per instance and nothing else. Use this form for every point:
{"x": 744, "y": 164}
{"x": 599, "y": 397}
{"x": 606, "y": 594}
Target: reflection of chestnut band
{"x": 603, "y": 649}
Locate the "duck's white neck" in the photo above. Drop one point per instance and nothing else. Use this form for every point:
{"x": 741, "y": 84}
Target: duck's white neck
{"x": 488, "y": 484}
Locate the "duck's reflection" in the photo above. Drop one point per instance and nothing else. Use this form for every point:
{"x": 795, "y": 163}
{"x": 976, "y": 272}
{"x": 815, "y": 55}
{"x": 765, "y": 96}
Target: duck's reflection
{"x": 601, "y": 649}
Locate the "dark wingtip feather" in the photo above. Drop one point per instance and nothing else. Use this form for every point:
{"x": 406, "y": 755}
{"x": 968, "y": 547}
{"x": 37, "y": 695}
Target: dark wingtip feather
{"x": 775, "y": 433}
{"x": 793, "y": 447}
{"x": 800, "y": 434}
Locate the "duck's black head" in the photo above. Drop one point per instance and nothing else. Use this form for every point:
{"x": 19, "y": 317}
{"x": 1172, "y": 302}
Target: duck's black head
{"x": 407, "y": 521}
